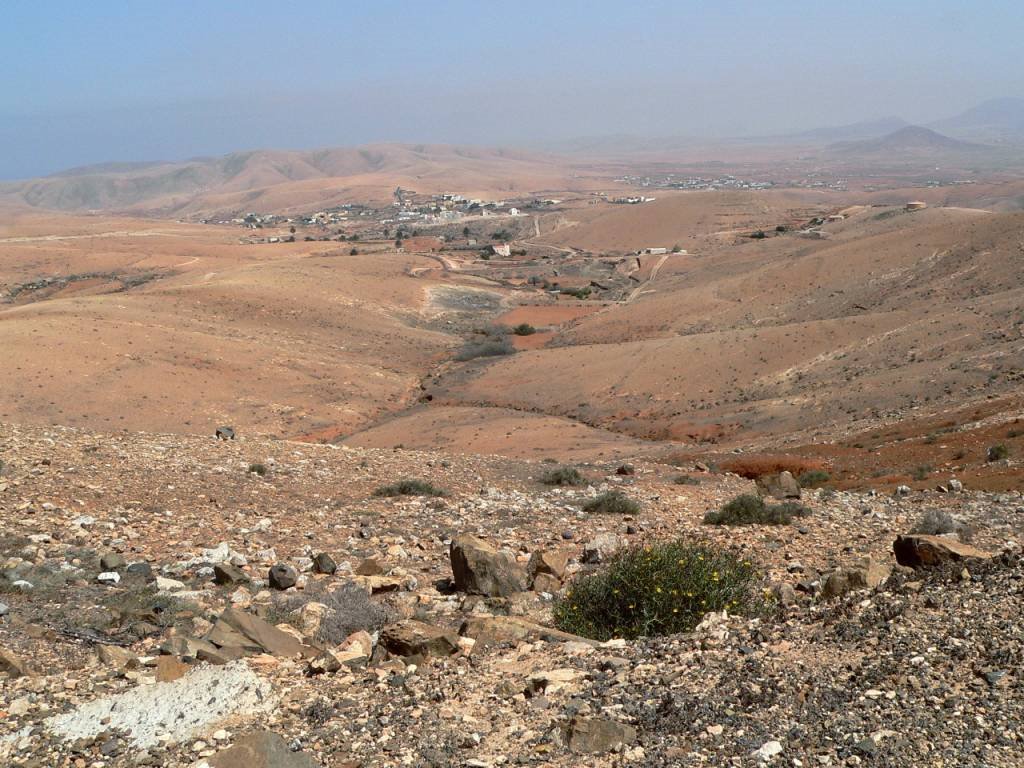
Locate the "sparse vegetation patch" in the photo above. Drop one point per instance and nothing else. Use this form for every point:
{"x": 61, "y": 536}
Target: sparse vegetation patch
{"x": 750, "y": 509}
{"x": 612, "y": 503}
{"x": 813, "y": 478}
{"x": 563, "y": 476}
{"x": 409, "y": 487}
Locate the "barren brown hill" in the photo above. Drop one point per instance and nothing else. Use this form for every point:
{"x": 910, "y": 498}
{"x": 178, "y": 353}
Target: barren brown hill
{"x": 275, "y": 180}
{"x": 911, "y": 138}
{"x": 893, "y": 312}
{"x": 678, "y": 218}
{"x": 177, "y": 328}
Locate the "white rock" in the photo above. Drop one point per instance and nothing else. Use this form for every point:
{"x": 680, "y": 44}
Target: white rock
{"x": 163, "y": 584}
{"x": 109, "y": 577}
{"x": 767, "y": 751}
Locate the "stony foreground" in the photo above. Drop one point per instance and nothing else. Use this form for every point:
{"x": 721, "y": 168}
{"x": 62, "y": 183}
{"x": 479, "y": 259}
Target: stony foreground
{"x": 174, "y": 601}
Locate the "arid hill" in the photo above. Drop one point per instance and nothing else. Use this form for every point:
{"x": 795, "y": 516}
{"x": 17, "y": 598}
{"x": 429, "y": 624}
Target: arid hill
{"x": 275, "y": 180}
{"x": 912, "y": 138}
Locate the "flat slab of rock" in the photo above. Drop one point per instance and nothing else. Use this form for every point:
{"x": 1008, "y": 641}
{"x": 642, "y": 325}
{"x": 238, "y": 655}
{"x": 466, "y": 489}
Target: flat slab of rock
{"x": 237, "y": 629}
{"x": 263, "y": 749}
{"x": 492, "y": 630}
{"x": 182, "y": 708}
{"x": 415, "y": 638}
{"x": 593, "y": 735}
{"x": 779, "y": 486}
{"x": 923, "y": 551}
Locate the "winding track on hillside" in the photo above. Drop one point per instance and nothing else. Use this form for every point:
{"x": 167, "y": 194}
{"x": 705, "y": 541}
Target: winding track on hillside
{"x": 650, "y": 279}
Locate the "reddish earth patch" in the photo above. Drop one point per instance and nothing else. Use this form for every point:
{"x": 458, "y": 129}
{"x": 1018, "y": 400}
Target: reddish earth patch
{"x": 766, "y": 464}
{"x": 925, "y": 453}
{"x": 549, "y": 314}
{"x": 533, "y": 341}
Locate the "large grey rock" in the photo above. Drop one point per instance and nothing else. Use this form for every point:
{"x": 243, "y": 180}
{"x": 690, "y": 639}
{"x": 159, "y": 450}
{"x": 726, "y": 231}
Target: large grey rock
{"x": 552, "y": 562}
{"x": 867, "y": 575}
{"x": 282, "y": 576}
{"x": 226, "y": 573}
{"x": 779, "y": 486}
{"x": 923, "y": 551}
{"x": 262, "y": 749}
{"x": 601, "y": 547}
{"x": 324, "y": 563}
{"x": 112, "y": 561}
{"x": 478, "y": 568}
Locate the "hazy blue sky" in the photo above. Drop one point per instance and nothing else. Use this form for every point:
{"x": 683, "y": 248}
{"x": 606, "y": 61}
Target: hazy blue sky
{"x": 97, "y": 80}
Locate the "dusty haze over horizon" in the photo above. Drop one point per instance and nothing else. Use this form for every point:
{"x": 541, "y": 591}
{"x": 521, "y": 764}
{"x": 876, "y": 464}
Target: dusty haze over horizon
{"x": 137, "y": 82}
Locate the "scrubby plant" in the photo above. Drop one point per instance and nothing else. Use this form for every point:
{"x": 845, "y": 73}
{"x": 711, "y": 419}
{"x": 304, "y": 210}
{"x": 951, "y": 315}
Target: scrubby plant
{"x": 349, "y": 609}
{"x": 489, "y": 341}
{"x": 686, "y": 480}
{"x": 921, "y": 473}
{"x": 409, "y": 487}
{"x": 563, "y": 476}
{"x": 612, "y": 503}
{"x": 258, "y": 469}
{"x": 997, "y": 452}
{"x": 524, "y": 329}
{"x": 486, "y": 348}
{"x": 579, "y": 293}
{"x": 812, "y": 478}
{"x": 656, "y": 590}
{"x": 750, "y": 509}
{"x": 938, "y": 522}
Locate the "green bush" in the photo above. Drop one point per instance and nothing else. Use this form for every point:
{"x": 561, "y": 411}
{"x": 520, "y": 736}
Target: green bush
{"x": 492, "y": 347}
{"x": 997, "y": 452}
{"x": 409, "y": 487}
{"x": 656, "y": 590}
{"x": 921, "y": 472}
{"x": 812, "y": 478}
{"x": 579, "y": 293}
{"x": 524, "y": 329}
{"x": 563, "y": 476}
{"x": 612, "y": 503}
{"x": 750, "y": 509}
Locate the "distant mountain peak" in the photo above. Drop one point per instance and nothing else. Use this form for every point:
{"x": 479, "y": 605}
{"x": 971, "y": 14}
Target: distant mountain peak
{"x": 908, "y": 138}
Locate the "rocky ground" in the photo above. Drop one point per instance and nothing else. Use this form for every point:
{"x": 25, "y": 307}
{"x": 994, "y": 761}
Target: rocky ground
{"x": 185, "y": 601}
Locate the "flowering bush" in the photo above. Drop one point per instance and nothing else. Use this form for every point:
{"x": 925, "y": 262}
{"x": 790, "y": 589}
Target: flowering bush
{"x": 656, "y": 590}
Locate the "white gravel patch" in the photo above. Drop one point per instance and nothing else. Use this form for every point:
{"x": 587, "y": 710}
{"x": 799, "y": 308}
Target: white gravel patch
{"x": 170, "y": 712}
